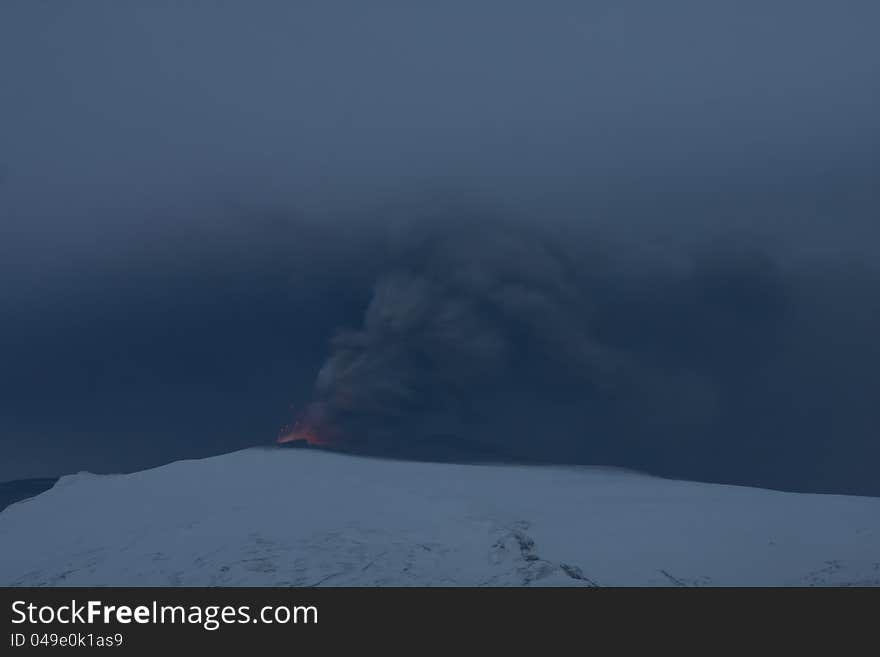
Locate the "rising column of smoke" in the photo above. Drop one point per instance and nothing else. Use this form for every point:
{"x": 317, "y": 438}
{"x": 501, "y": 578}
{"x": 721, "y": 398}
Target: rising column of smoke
{"x": 469, "y": 339}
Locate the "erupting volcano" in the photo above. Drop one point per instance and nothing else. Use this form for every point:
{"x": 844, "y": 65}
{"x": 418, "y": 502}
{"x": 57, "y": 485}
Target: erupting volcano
{"x": 305, "y": 431}
{"x": 301, "y": 432}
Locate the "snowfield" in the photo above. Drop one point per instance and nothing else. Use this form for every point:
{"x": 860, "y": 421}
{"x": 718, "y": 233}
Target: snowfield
{"x": 279, "y": 517}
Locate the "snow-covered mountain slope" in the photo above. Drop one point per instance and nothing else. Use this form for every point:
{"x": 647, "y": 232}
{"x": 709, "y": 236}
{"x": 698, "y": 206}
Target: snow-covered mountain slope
{"x": 303, "y": 517}
{"x": 13, "y": 491}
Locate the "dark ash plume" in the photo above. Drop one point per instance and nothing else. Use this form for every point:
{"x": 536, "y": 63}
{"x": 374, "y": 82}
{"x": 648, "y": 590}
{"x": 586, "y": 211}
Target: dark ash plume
{"x": 471, "y": 336}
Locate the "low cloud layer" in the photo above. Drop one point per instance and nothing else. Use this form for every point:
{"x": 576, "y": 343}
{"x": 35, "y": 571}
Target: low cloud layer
{"x": 450, "y": 331}
{"x": 570, "y": 232}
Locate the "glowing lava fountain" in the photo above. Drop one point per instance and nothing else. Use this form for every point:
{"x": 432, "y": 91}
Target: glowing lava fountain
{"x": 302, "y": 431}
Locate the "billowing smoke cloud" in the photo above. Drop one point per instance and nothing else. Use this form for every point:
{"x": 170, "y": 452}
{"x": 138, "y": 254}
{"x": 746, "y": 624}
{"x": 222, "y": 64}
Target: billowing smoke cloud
{"x": 492, "y": 340}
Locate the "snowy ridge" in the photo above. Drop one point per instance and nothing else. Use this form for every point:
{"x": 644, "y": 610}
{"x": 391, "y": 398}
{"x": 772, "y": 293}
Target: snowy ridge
{"x": 308, "y": 518}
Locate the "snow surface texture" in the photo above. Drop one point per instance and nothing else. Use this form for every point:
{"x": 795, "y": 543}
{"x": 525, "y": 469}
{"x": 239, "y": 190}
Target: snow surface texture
{"x": 301, "y": 517}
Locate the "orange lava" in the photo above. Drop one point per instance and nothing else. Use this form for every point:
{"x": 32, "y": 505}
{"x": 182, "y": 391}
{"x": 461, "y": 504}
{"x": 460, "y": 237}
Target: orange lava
{"x": 301, "y": 432}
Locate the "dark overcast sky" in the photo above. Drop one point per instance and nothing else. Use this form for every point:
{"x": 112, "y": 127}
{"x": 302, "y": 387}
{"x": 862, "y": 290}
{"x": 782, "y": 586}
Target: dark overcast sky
{"x": 195, "y": 195}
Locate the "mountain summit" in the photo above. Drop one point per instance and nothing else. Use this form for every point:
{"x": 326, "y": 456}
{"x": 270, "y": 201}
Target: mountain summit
{"x": 279, "y": 517}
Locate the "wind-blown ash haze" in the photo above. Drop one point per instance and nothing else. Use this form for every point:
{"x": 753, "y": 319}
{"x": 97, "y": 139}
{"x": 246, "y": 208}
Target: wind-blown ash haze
{"x": 637, "y": 234}
{"x": 490, "y": 340}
